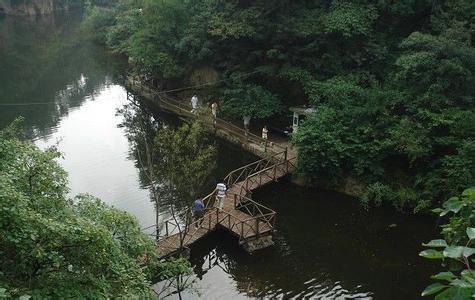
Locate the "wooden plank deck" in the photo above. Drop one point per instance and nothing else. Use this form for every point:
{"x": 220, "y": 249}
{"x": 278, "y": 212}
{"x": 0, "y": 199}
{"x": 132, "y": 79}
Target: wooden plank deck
{"x": 221, "y": 128}
{"x": 234, "y": 220}
{"x": 277, "y": 157}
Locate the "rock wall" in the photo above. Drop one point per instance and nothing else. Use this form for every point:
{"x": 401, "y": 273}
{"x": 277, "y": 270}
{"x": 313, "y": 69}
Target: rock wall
{"x": 32, "y": 7}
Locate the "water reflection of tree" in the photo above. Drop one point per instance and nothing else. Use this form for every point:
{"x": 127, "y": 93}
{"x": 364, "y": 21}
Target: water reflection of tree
{"x": 47, "y": 60}
{"x": 173, "y": 163}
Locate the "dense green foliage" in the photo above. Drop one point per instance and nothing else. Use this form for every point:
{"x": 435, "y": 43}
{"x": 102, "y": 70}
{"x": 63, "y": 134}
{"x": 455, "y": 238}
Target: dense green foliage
{"x": 392, "y": 81}
{"x": 455, "y": 249}
{"x": 54, "y": 247}
{"x": 177, "y": 159}
{"x": 186, "y": 158}
{"x": 252, "y": 101}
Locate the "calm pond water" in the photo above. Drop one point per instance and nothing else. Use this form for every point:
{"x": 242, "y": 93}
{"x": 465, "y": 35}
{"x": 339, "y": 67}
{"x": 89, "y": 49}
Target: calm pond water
{"x": 327, "y": 247}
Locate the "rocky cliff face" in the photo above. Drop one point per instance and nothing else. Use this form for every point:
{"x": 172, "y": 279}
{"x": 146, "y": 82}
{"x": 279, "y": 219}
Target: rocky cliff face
{"x": 32, "y": 7}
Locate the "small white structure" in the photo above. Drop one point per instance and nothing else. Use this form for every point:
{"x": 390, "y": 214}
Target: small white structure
{"x": 299, "y": 113}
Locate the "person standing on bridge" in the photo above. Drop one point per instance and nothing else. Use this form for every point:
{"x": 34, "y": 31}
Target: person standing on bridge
{"x": 194, "y": 103}
{"x": 198, "y": 211}
{"x": 220, "y": 194}
{"x": 247, "y": 120}
{"x": 264, "y": 136}
{"x": 214, "y": 111}
{"x": 264, "y": 133}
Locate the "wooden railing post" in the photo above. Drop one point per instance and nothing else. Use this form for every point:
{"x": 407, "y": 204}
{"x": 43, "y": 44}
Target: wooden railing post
{"x": 242, "y": 229}
{"x": 235, "y": 199}
{"x": 166, "y": 227}
{"x": 257, "y": 227}
{"x": 209, "y": 221}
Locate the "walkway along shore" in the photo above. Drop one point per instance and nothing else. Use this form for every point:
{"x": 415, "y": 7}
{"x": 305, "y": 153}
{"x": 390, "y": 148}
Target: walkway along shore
{"x": 251, "y": 222}
{"x": 224, "y": 129}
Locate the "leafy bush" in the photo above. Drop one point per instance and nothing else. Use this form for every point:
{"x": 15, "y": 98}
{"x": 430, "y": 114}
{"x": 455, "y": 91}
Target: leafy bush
{"x": 96, "y": 19}
{"x": 455, "y": 249}
{"x": 250, "y": 100}
{"x": 376, "y": 194}
{"x": 54, "y": 247}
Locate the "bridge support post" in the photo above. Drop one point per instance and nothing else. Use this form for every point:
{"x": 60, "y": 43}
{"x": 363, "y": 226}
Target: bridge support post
{"x": 209, "y": 222}
{"x": 258, "y": 243}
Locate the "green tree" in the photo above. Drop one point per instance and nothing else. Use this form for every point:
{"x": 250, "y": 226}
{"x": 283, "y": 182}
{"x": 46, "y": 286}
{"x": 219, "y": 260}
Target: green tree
{"x": 251, "y": 101}
{"x": 185, "y": 158}
{"x": 54, "y": 247}
{"x": 392, "y": 82}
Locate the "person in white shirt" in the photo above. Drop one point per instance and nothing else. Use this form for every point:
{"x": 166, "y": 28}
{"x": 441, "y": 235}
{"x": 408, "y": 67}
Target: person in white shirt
{"x": 264, "y": 137}
{"x": 194, "y": 103}
{"x": 214, "y": 111}
{"x": 247, "y": 120}
{"x": 264, "y": 133}
{"x": 220, "y": 194}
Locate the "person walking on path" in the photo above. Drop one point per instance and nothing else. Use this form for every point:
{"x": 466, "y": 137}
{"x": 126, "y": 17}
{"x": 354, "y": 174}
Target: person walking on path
{"x": 194, "y": 103}
{"x": 264, "y": 132}
{"x": 247, "y": 120}
{"x": 220, "y": 194}
{"x": 214, "y": 111}
{"x": 264, "y": 136}
{"x": 198, "y": 211}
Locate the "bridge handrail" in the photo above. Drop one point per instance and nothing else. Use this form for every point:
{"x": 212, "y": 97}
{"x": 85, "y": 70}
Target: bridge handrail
{"x": 268, "y": 218}
{"x": 243, "y": 132}
{"x": 264, "y": 213}
{"x": 256, "y": 162}
{"x": 270, "y": 215}
{"x": 238, "y": 200}
{"x": 255, "y": 169}
{"x": 231, "y": 179}
{"x": 186, "y": 107}
{"x": 239, "y": 225}
{"x": 267, "y": 169}
{"x": 208, "y": 200}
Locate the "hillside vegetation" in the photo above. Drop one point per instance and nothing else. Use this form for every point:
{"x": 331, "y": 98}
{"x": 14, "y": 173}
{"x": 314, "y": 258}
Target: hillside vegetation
{"x": 392, "y": 81}
{"x": 54, "y": 247}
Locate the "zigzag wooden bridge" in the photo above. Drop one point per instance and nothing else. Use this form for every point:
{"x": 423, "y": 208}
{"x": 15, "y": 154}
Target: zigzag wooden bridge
{"x": 250, "y": 221}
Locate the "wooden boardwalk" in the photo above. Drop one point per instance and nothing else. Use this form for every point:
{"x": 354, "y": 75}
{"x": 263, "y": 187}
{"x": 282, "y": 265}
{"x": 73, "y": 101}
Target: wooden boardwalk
{"x": 250, "y": 221}
{"x": 221, "y": 128}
